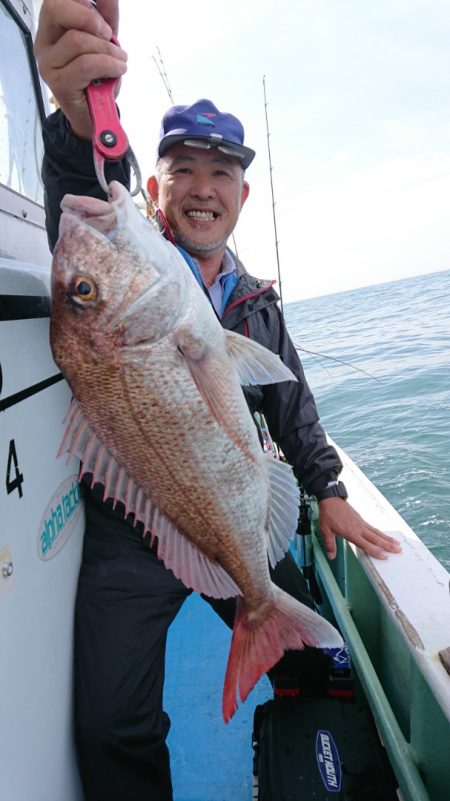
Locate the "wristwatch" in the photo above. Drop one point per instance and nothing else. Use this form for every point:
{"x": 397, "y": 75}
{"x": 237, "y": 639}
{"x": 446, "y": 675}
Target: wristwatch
{"x": 335, "y": 489}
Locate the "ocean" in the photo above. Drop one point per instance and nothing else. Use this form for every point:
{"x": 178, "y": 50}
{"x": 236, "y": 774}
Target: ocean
{"x": 378, "y": 362}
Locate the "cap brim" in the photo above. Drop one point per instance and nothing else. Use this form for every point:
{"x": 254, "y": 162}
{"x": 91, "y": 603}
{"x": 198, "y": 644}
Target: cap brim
{"x": 244, "y": 154}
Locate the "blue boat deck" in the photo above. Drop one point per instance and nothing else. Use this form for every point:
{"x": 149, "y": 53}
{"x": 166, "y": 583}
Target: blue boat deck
{"x": 209, "y": 759}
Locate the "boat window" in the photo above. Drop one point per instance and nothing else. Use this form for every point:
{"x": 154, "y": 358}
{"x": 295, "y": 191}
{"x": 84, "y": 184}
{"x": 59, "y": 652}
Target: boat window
{"x": 20, "y": 128}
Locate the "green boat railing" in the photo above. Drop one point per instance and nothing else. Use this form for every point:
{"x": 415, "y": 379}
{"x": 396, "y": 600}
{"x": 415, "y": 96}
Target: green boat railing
{"x": 410, "y": 721}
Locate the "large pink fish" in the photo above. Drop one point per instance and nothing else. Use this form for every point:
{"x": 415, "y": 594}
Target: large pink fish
{"x": 160, "y": 419}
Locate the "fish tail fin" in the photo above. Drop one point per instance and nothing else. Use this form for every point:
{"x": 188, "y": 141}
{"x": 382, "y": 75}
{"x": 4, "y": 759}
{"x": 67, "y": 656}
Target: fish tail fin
{"x": 258, "y": 646}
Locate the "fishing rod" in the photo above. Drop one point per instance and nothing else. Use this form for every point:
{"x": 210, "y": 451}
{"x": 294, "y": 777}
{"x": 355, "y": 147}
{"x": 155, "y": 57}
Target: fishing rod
{"x": 272, "y": 191}
{"x": 163, "y": 74}
{"x": 297, "y": 347}
{"x": 160, "y": 66}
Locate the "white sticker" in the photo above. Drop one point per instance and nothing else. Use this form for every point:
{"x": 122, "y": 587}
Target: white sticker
{"x": 59, "y": 518}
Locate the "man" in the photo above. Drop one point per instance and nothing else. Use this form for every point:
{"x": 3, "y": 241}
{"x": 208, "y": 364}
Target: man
{"x": 126, "y": 598}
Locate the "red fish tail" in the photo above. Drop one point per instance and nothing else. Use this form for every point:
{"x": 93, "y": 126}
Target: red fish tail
{"x": 256, "y": 648}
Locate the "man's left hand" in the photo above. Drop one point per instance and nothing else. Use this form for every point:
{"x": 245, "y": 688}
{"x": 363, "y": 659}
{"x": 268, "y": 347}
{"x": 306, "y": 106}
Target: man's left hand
{"x": 337, "y": 518}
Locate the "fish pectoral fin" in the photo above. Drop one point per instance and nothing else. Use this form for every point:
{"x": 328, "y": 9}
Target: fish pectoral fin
{"x": 284, "y": 508}
{"x": 217, "y": 391}
{"x": 254, "y": 363}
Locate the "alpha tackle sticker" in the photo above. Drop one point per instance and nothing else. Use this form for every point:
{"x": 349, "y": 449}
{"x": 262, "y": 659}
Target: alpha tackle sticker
{"x": 60, "y": 518}
{"x": 328, "y": 761}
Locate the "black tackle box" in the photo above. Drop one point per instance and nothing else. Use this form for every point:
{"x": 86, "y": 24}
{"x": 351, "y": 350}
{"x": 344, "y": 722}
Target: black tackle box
{"x": 314, "y": 742}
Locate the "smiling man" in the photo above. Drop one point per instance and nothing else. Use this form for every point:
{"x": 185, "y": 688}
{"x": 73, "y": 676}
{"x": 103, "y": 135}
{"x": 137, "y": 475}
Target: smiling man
{"x": 199, "y": 184}
{"x": 126, "y": 597}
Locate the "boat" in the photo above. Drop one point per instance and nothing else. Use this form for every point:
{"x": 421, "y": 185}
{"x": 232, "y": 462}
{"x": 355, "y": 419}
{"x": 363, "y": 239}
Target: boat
{"x": 394, "y": 615}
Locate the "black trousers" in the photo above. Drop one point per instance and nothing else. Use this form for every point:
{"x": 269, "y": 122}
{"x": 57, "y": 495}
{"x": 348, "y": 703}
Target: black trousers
{"x": 125, "y": 604}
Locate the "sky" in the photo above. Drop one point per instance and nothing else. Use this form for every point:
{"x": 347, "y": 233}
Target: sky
{"x": 358, "y": 104}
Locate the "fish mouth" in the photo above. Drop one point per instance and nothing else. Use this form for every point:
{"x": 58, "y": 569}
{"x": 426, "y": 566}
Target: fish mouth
{"x": 101, "y": 215}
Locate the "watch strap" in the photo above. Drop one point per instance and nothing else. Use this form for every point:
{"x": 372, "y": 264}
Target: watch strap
{"x": 335, "y": 489}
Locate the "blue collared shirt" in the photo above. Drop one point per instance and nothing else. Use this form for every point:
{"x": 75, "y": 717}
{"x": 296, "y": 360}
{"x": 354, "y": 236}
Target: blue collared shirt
{"x": 225, "y": 281}
{"x": 217, "y": 290}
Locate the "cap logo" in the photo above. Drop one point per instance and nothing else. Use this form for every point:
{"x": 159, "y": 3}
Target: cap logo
{"x": 202, "y": 119}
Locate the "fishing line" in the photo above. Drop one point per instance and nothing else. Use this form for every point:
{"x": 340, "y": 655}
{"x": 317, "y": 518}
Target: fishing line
{"x": 316, "y": 356}
{"x": 339, "y": 361}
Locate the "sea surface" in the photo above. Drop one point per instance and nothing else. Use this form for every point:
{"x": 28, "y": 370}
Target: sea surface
{"x": 393, "y": 419}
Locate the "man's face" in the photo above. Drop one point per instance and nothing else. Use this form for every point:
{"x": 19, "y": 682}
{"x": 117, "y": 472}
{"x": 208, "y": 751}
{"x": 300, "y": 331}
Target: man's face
{"x": 201, "y": 193}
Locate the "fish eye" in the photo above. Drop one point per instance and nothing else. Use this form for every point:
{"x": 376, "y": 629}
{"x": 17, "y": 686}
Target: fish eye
{"x": 83, "y": 290}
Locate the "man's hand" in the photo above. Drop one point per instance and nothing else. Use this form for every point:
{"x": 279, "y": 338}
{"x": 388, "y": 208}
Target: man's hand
{"x": 73, "y": 47}
{"x": 337, "y": 518}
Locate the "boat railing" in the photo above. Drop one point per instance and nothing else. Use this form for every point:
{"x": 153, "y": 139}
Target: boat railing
{"x": 395, "y": 618}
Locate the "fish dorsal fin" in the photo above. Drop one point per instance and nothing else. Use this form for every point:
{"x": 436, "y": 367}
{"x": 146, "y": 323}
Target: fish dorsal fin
{"x": 178, "y": 553}
{"x": 254, "y": 363}
{"x": 284, "y": 508}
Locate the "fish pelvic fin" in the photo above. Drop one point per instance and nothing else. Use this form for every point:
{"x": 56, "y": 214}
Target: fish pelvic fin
{"x": 256, "y": 648}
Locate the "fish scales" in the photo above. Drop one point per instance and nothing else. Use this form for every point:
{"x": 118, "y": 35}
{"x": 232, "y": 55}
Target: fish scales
{"x": 201, "y": 474}
{"x": 159, "y": 382}
{"x": 169, "y": 422}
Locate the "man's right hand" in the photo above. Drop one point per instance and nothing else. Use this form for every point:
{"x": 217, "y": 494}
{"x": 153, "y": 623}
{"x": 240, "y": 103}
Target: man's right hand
{"x": 73, "y": 47}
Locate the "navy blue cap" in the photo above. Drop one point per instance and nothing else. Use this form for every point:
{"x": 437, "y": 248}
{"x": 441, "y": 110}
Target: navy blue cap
{"x": 203, "y": 125}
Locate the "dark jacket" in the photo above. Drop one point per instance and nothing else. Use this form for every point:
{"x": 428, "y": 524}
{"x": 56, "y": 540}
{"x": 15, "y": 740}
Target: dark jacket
{"x": 252, "y": 310}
